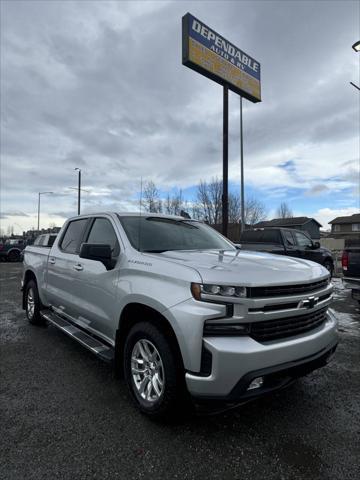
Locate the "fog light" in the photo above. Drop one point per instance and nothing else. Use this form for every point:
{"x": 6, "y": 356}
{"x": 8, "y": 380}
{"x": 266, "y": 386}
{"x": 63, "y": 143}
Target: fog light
{"x": 256, "y": 383}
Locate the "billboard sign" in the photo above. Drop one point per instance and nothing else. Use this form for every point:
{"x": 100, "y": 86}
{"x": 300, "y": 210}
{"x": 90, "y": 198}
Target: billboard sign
{"x": 210, "y": 54}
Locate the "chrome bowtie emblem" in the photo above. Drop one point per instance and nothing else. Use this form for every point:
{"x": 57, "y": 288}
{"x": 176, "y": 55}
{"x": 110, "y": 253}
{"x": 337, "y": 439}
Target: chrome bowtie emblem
{"x": 310, "y": 302}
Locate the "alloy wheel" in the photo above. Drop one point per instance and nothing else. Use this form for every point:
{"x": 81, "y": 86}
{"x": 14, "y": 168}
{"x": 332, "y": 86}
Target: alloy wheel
{"x": 30, "y": 303}
{"x": 147, "y": 371}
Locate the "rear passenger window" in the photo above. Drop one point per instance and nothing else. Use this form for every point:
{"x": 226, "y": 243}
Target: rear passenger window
{"x": 261, "y": 236}
{"x": 39, "y": 241}
{"x": 73, "y": 234}
{"x": 103, "y": 232}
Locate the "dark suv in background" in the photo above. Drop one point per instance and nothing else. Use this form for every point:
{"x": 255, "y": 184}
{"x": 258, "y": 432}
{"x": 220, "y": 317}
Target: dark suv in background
{"x": 287, "y": 241}
{"x": 11, "y": 249}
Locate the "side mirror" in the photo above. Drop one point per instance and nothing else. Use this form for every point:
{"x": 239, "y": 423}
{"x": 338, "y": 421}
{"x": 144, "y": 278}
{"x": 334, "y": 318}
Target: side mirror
{"x": 316, "y": 245}
{"x": 99, "y": 252}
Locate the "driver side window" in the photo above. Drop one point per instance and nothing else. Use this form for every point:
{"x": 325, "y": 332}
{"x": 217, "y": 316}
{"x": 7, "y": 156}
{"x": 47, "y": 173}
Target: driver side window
{"x": 103, "y": 232}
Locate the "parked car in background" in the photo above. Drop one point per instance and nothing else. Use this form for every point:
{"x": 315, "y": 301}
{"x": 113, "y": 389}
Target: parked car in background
{"x": 286, "y": 241}
{"x": 11, "y": 249}
{"x": 179, "y": 310}
{"x": 351, "y": 269}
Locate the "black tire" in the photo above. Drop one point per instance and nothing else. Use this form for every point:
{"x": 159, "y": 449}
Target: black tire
{"x": 173, "y": 389}
{"x": 328, "y": 264}
{"x": 33, "y": 304}
{"x": 13, "y": 256}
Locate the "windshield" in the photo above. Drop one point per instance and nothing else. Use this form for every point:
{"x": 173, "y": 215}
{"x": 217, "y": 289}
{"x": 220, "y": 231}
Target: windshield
{"x": 159, "y": 234}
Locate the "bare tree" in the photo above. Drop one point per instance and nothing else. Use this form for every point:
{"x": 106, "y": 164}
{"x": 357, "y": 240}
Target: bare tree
{"x": 284, "y": 211}
{"x": 209, "y": 205}
{"x": 150, "y": 199}
{"x": 173, "y": 205}
{"x": 209, "y": 200}
{"x": 255, "y": 211}
{"x": 234, "y": 208}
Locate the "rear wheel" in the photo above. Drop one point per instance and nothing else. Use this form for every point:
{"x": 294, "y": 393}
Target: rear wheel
{"x": 152, "y": 373}
{"x": 33, "y": 304}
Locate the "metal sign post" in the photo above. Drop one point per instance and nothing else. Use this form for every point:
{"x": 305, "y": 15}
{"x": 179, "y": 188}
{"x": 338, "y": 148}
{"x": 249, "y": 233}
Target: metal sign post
{"x": 242, "y": 196}
{"x": 212, "y": 55}
{"x": 225, "y": 200}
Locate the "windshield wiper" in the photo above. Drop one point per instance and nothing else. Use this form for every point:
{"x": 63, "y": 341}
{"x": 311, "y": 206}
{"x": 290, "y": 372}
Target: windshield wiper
{"x": 154, "y": 251}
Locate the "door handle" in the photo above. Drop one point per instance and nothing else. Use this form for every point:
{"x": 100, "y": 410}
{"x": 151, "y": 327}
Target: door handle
{"x": 78, "y": 267}
{"x": 52, "y": 261}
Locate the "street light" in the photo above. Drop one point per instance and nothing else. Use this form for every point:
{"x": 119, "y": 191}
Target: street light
{"x": 79, "y": 187}
{"x": 40, "y": 193}
{"x": 356, "y": 46}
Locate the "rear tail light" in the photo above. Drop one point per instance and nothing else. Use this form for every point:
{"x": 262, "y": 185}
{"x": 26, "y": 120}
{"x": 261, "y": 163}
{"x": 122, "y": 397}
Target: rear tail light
{"x": 1, "y": 246}
{"x": 345, "y": 260}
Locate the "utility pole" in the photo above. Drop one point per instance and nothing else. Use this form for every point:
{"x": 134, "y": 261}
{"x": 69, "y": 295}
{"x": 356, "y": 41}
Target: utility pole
{"x": 79, "y": 188}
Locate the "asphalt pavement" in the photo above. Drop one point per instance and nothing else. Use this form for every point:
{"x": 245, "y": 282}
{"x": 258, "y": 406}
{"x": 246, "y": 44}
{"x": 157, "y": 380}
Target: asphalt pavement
{"x": 65, "y": 416}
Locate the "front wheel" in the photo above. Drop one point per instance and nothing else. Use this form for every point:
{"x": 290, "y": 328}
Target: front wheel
{"x": 33, "y": 304}
{"x": 151, "y": 371}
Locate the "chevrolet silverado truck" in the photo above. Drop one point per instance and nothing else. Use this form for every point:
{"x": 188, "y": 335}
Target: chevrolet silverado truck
{"x": 287, "y": 241}
{"x": 179, "y": 310}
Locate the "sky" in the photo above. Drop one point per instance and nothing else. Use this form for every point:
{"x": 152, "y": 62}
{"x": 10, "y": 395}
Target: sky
{"x": 100, "y": 86}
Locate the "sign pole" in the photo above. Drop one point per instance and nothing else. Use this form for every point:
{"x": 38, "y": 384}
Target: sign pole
{"x": 79, "y": 190}
{"x": 225, "y": 160}
{"x": 242, "y": 169}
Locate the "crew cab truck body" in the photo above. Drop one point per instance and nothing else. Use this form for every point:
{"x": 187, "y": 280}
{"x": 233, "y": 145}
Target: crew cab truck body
{"x": 351, "y": 269}
{"x": 179, "y": 309}
{"x": 287, "y": 241}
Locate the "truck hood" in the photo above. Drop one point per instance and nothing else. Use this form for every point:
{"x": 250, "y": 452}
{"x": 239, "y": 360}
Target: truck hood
{"x": 240, "y": 267}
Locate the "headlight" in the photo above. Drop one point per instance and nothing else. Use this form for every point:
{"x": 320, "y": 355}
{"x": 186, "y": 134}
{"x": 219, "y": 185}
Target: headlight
{"x": 206, "y": 291}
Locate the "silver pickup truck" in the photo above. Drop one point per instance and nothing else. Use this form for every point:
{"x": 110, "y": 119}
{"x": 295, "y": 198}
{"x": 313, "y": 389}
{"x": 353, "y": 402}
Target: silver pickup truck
{"x": 179, "y": 310}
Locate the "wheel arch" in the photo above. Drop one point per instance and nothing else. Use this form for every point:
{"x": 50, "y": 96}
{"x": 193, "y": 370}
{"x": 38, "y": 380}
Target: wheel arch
{"x": 134, "y": 313}
{"x": 329, "y": 259}
{"x": 28, "y": 275}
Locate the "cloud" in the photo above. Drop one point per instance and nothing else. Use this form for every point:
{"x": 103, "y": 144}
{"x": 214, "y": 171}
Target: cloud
{"x": 317, "y": 189}
{"x": 100, "y": 86}
{"x": 4, "y": 215}
{"x": 325, "y": 215}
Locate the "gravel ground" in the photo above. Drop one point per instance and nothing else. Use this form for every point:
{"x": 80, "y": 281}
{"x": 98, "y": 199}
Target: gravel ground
{"x": 64, "y": 415}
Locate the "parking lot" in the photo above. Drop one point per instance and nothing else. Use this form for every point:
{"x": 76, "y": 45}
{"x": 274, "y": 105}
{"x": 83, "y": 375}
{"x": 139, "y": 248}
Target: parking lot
{"x": 64, "y": 415}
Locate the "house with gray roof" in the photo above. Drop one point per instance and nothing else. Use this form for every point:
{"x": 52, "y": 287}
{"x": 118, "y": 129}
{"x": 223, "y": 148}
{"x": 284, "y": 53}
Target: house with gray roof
{"x": 346, "y": 227}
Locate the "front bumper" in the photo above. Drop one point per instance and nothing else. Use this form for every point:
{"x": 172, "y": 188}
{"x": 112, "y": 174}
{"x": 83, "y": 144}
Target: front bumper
{"x": 236, "y": 361}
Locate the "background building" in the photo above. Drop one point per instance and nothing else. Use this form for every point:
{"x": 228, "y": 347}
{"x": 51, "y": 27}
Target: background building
{"x": 306, "y": 224}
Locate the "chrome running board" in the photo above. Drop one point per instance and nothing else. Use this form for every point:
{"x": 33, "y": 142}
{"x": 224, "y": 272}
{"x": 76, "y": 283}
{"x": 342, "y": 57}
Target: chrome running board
{"x": 102, "y": 350}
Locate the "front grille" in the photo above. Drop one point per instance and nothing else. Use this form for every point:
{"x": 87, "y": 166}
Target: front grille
{"x": 258, "y": 292}
{"x": 284, "y": 306}
{"x": 287, "y": 327}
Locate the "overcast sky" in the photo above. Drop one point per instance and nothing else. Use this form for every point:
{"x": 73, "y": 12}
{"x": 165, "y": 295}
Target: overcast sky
{"x": 100, "y": 86}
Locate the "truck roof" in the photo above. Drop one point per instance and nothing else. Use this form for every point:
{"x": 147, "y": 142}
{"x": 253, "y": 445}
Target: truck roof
{"x": 130, "y": 214}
